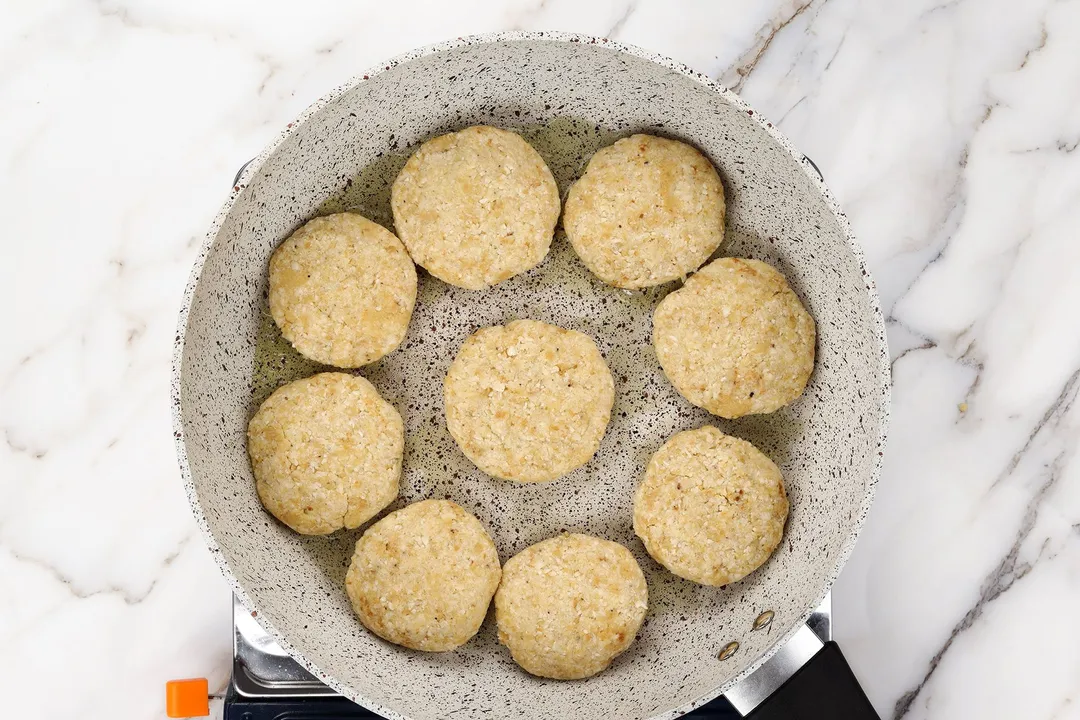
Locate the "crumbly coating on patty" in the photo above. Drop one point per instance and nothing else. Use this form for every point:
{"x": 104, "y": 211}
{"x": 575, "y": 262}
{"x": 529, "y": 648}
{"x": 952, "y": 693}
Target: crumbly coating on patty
{"x": 326, "y": 453}
{"x": 528, "y": 401}
{"x": 476, "y": 207}
{"x": 648, "y": 210}
{"x": 711, "y": 508}
{"x": 423, "y": 576}
{"x": 568, "y": 605}
{"x": 342, "y": 290}
{"x": 735, "y": 339}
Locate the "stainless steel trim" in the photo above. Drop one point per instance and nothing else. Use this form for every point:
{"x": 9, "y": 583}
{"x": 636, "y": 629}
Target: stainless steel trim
{"x": 261, "y": 668}
{"x": 767, "y": 679}
{"x": 820, "y": 621}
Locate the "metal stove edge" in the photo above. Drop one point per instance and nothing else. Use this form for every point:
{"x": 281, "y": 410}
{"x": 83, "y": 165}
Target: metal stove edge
{"x": 261, "y": 669}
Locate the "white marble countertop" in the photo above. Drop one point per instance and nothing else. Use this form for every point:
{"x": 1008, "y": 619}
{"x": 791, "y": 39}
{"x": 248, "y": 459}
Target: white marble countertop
{"x": 946, "y": 129}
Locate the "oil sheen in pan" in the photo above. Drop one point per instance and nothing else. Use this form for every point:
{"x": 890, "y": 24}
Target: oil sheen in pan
{"x": 596, "y": 498}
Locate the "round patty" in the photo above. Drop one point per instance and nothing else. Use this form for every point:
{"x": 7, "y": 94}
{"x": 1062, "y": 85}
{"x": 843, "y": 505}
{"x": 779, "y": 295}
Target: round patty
{"x": 712, "y": 507}
{"x": 423, "y": 576}
{"x": 326, "y": 453}
{"x": 568, "y": 605}
{"x": 342, "y": 290}
{"x": 528, "y": 401}
{"x": 648, "y": 210}
{"x": 476, "y": 207}
{"x": 735, "y": 339}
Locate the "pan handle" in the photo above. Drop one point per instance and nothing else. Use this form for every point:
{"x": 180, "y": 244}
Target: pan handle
{"x": 824, "y": 688}
{"x": 806, "y": 680}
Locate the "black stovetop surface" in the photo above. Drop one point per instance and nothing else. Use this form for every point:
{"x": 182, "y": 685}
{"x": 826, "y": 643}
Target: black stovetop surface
{"x": 338, "y": 708}
{"x": 269, "y": 685}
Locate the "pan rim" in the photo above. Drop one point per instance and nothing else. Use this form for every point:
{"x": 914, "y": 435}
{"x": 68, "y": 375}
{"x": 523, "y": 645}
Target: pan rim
{"x": 249, "y": 170}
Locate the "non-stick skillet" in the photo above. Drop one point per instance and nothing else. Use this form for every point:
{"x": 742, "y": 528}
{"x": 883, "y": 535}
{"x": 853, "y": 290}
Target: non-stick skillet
{"x": 569, "y": 95}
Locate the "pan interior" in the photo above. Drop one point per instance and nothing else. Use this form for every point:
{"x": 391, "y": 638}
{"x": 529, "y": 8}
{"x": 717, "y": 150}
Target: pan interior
{"x": 568, "y": 99}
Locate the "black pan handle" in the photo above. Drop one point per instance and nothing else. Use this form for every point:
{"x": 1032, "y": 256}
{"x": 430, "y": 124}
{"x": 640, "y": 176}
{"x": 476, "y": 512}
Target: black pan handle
{"x": 822, "y": 689}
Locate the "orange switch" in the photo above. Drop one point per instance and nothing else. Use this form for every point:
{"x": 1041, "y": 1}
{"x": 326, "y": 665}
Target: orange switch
{"x": 187, "y": 698}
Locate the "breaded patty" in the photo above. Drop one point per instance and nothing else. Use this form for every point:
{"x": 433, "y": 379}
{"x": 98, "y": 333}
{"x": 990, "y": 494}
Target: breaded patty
{"x": 711, "y": 508}
{"x": 648, "y": 210}
{"x": 735, "y": 339}
{"x": 423, "y": 576}
{"x": 528, "y": 401}
{"x": 568, "y": 605}
{"x": 476, "y": 207}
{"x": 342, "y": 290}
{"x": 326, "y": 453}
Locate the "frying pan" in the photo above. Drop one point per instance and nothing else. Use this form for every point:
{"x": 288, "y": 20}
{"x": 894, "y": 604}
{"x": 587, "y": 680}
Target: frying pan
{"x": 569, "y": 95}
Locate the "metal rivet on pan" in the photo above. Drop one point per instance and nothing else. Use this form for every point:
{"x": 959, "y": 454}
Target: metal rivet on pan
{"x": 729, "y": 650}
{"x": 764, "y": 620}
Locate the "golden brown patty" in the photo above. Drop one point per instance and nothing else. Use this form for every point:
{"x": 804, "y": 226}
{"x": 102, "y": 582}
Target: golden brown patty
{"x": 711, "y": 508}
{"x": 476, "y": 207}
{"x": 648, "y": 210}
{"x": 568, "y": 605}
{"x": 326, "y": 453}
{"x": 423, "y": 576}
{"x": 735, "y": 339}
{"x": 342, "y": 290}
{"x": 528, "y": 401}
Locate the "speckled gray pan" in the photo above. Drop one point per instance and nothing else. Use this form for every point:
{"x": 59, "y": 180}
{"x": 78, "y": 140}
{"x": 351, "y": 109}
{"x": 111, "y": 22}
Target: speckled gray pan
{"x": 569, "y": 95}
